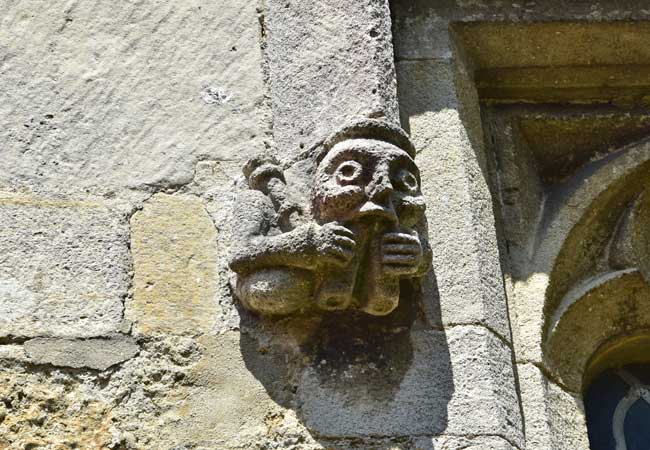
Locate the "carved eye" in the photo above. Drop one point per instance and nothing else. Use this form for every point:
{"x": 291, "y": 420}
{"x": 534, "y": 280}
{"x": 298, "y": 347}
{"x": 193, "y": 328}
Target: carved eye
{"x": 406, "y": 181}
{"x": 348, "y": 172}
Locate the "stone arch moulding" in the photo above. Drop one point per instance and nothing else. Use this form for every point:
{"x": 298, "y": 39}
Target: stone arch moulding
{"x": 598, "y": 288}
{"x": 593, "y": 244}
{"x": 576, "y": 269}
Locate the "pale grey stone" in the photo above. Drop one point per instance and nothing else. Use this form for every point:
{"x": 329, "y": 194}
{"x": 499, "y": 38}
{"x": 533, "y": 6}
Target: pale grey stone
{"x": 328, "y": 61}
{"x": 13, "y": 352}
{"x": 359, "y": 401}
{"x": 459, "y": 206}
{"x": 485, "y": 400}
{"x": 106, "y": 101}
{"x": 444, "y": 442}
{"x": 422, "y": 36}
{"x": 102, "y": 99}
{"x": 64, "y": 269}
{"x": 554, "y": 417}
{"x": 98, "y": 353}
{"x": 464, "y": 443}
{"x": 473, "y": 393}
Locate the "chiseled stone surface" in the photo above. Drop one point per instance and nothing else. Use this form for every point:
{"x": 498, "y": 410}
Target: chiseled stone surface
{"x": 95, "y": 353}
{"x": 346, "y": 244}
{"x": 123, "y": 130}
{"x": 458, "y": 382}
{"x": 102, "y": 98}
{"x": 225, "y": 406}
{"x": 554, "y": 417}
{"x": 485, "y": 398}
{"x": 64, "y": 266}
{"x": 459, "y": 205}
{"x": 126, "y": 407}
{"x": 328, "y": 61}
{"x": 371, "y": 403}
{"x": 465, "y": 443}
{"x": 173, "y": 242}
{"x": 415, "y": 443}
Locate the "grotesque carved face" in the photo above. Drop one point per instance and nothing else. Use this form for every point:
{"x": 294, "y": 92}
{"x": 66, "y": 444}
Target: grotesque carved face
{"x": 363, "y": 179}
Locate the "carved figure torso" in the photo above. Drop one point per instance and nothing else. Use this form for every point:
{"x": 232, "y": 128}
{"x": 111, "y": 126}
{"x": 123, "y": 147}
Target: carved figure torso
{"x": 361, "y": 237}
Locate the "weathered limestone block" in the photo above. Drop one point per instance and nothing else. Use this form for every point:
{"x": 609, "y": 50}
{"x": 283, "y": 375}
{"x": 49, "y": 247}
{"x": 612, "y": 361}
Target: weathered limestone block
{"x": 554, "y": 417}
{"x": 352, "y": 239}
{"x": 99, "y": 354}
{"x": 64, "y": 267}
{"x": 200, "y": 392}
{"x": 328, "y": 61}
{"x": 173, "y": 242}
{"x": 155, "y": 85}
{"x": 40, "y": 411}
{"x": 485, "y": 400}
{"x": 464, "y": 244}
{"x": 226, "y": 406}
{"x": 465, "y": 443}
{"x": 452, "y": 385}
{"x": 414, "y": 443}
{"x": 408, "y": 397}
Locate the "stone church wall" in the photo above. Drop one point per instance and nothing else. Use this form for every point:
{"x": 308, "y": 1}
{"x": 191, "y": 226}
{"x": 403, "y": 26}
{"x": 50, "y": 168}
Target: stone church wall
{"x": 156, "y": 154}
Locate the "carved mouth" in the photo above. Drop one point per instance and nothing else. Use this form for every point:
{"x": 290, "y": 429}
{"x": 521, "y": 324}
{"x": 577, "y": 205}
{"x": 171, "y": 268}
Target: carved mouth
{"x": 375, "y": 211}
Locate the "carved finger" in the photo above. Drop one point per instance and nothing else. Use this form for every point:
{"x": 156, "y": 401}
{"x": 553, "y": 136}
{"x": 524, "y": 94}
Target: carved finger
{"x": 400, "y": 238}
{"x": 341, "y": 250}
{"x": 402, "y": 249}
{"x": 399, "y": 269}
{"x": 342, "y": 231}
{"x": 345, "y": 242}
{"x": 404, "y": 260}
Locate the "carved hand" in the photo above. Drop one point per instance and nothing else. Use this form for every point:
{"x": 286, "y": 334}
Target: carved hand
{"x": 335, "y": 243}
{"x": 401, "y": 253}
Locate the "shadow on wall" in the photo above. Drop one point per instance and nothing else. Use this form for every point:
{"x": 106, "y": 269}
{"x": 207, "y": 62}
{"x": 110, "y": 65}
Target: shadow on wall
{"x": 350, "y": 375}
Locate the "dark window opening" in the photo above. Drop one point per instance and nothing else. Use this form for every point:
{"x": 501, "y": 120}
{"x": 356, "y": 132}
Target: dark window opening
{"x": 617, "y": 405}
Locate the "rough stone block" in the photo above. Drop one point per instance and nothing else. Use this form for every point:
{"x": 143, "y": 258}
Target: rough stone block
{"x": 418, "y": 443}
{"x": 173, "y": 242}
{"x": 328, "y": 61}
{"x": 64, "y": 267}
{"x": 226, "y": 405}
{"x": 155, "y": 86}
{"x": 470, "y": 393}
{"x": 464, "y": 443}
{"x": 459, "y": 205}
{"x": 554, "y": 417}
{"x": 40, "y": 411}
{"x": 354, "y": 403}
{"x": 485, "y": 400}
{"x": 97, "y": 354}
{"x": 423, "y": 35}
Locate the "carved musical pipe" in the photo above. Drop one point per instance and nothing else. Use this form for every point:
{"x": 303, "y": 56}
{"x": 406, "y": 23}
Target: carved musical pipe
{"x": 336, "y": 290}
{"x": 382, "y": 290}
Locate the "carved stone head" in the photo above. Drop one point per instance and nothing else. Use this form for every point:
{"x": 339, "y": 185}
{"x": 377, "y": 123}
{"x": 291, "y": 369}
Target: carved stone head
{"x": 351, "y": 249}
{"x": 366, "y": 172}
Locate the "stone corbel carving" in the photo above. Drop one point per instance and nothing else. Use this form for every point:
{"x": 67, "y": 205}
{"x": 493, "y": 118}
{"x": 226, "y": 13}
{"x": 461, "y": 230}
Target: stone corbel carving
{"x": 348, "y": 246}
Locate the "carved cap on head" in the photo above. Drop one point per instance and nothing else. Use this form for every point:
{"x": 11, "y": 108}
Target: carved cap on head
{"x": 380, "y": 130}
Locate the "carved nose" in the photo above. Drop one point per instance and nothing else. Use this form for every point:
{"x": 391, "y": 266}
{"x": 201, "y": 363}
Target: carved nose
{"x": 380, "y": 189}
